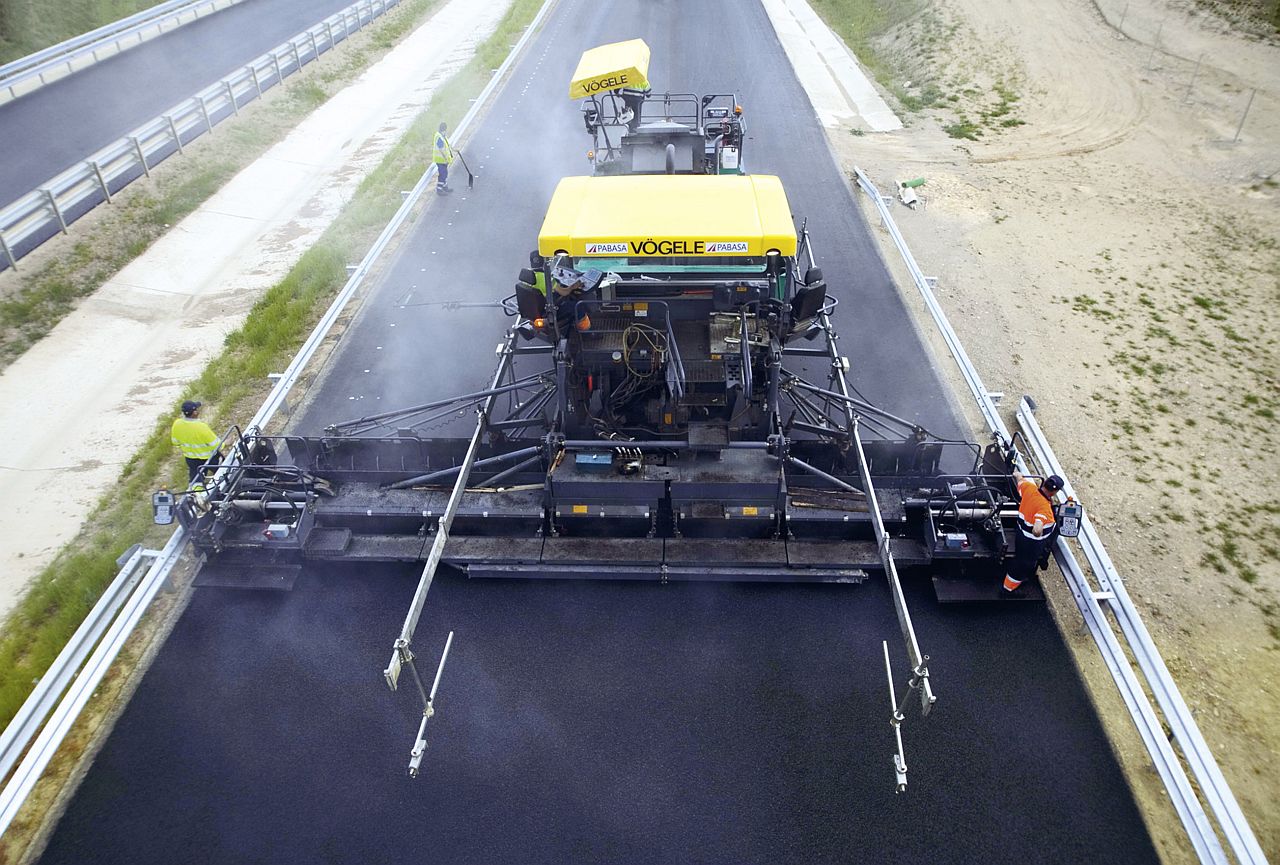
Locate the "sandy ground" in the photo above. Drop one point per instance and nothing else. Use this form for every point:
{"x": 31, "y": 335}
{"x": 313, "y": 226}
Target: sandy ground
{"x": 1106, "y": 246}
{"x": 79, "y": 403}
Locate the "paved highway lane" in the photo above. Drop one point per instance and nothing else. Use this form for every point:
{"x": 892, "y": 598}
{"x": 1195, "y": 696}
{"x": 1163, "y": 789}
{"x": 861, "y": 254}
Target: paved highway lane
{"x": 49, "y": 130}
{"x": 597, "y": 722}
{"x": 585, "y": 722}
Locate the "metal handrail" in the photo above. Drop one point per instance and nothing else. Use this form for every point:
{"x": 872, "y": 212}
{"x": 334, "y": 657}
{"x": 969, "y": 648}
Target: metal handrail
{"x": 1208, "y": 777}
{"x": 59, "y": 724}
{"x": 53, "y": 205}
{"x": 80, "y": 52}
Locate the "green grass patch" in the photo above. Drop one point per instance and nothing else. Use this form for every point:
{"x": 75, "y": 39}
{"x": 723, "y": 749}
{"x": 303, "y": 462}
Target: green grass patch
{"x": 859, "y": 23}
{"x": 65, "y": 591}
{"x": 964, "y": 129}
{"x": 27, "y": 26}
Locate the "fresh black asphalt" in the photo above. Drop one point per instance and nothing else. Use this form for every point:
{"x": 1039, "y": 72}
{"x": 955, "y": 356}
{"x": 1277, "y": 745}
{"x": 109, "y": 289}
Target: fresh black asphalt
{"x": 48, "y": 130}
{"x": 602, "y": 722}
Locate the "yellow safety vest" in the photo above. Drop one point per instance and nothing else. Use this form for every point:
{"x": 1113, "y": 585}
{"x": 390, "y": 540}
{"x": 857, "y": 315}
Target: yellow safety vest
{"x": 194, "y": 438}
{"x": 441, "y": 150}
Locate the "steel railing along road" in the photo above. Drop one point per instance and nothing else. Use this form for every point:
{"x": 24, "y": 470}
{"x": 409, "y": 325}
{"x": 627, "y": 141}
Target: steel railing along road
{"x": 1094, "y": 605}
{"x": 21, "y": 735}
{"x": 30, "y": 73}
{"x": 52, "y": 206}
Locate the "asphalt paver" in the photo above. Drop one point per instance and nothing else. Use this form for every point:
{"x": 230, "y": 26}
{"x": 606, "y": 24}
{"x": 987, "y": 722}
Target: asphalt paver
{"x": 583, "y": 721}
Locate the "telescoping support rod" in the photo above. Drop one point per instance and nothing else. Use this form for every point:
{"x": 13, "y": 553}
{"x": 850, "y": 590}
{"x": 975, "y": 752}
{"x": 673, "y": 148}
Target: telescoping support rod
{"x": 919, "y": 662}
{"x": 420, "y": 744}
{"x": 401, "y": 652}
{"x": 899, "y": 758}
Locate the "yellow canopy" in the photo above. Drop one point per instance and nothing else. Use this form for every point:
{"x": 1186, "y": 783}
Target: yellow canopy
{"x": 659, "y": 215}
{"x": 619, "y": 64}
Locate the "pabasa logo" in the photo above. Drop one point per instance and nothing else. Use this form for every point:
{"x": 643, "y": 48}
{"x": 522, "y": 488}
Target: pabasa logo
{"x": 650, "y": 248}
{"x": 613, "y": 82}
{"x": 606, "y": 249}
{"x": 720, "y": 247}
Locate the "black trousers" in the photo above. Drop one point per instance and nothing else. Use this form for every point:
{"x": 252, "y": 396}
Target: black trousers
{"x": 1026, "y": 554}
{"x": 193, "y": 465}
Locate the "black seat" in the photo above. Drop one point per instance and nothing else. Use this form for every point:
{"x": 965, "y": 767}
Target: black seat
{"x": 530, "y": 302}
{"x": 808, "y": 299}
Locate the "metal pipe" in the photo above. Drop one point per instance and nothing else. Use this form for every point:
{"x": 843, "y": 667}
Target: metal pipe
{"x": 515, "y": 469}
{"x": 801, "y": 464}
{"x": 428, "y": 712}
{"x": 401, "y": 653}
{"x": 427, "y": 406}
{"x": 918, "y": 659}
{"x": 865, "y": 406}
{"x": 900, "y": 758}
{"x": 580, "y": 444}
{"x": 444, "y": 473}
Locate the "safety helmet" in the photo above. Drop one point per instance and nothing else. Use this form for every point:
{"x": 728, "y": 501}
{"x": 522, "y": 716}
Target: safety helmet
{"x": 1053, "y": 483}
{"x": 190, "y": 406}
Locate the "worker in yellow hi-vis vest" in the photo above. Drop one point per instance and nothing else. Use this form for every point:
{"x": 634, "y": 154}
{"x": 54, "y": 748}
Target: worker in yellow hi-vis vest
{"x": 442, "y": 155}
{"x": 195, "y": 439}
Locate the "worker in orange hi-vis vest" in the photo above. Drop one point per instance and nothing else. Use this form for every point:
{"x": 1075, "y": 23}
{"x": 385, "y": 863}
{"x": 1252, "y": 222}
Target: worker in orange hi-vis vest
{"x": 1035, "y": 526}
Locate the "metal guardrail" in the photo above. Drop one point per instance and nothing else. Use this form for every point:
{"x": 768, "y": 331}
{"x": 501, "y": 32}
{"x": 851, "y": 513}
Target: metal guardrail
{"x": 14, "y": 739}
{"x": 1186, "y": 734}
{"x": 30, "y": 73}
{"x": 51, "y": 207}
{"x": 64, "y": 668}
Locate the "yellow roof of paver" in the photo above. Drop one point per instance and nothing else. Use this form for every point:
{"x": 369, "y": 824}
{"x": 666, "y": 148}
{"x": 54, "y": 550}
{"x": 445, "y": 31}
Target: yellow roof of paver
{"x": 668, "y": 215}
{"x": 608, "y": 67}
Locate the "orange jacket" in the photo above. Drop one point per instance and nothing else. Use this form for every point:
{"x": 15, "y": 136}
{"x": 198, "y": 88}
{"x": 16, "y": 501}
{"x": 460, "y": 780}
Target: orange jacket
{"x": 1033, "y": 504}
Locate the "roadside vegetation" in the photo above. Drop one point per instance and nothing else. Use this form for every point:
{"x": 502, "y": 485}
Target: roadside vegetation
{"x": 27, "y": 26}
{"x": 1260, "y": 18}
{"x": 1192, "y": 398}
{"x": 910, "y": 49}
{"x": 51, "y": 282}
{"x": 234, "y": 383}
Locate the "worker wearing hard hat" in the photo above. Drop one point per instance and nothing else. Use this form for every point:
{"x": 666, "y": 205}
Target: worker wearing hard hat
{"x": 442, "y": 155}
{"x": 1036, "y": 526}
{"x": 195, "y": 439}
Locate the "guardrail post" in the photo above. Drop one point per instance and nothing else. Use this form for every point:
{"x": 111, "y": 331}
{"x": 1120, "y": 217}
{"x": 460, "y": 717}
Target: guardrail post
{"x": 102, "y": 182}
{"x": 275, "y": 58}
{"x": 274, "y": 378}
{"x": 328, "y": 26}
{"x": 142, "y": 156}
{"x": 204, "y": 109}
{"x": 57, "y": 211}
{"x": 253, "y": 70}
{"x": 315, "y": 49}
{"x": 8, "y": 253}
{"x": 297, "y": 58}
{"x": 173, "y": 129}
{"x": 231, "y": 94}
